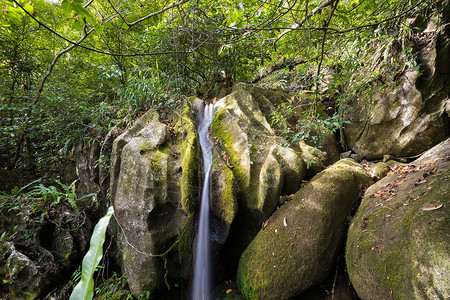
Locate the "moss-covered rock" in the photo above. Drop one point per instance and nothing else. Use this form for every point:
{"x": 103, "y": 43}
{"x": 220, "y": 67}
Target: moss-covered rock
{"x": 153, "y": 177}
{"x": 223, "y": 192}
{"x": 189, "y": 150}
{"x": 250, "y": 167}
{"x": 298, "y": 247}
{"x": 409, "y": 117}
{"x": 41, "y": 251}
{"x": 399, "y": 241}
{"x": 25, "y": 281}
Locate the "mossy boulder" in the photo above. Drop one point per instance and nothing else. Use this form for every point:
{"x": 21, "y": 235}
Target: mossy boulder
{"x": 24, "y": 279}
{"x": 250, "y": 168}
{"x": 407, "y": 118}
{"x": 298, "y": 247}
{"x": 380, "y": 169}
{"x": 314, "y": 159}
{"x": 153, "y": 185}
{"x": 399, "y": 241}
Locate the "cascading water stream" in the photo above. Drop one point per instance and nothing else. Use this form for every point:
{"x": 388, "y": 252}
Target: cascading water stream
{"x": 201, "y": 284}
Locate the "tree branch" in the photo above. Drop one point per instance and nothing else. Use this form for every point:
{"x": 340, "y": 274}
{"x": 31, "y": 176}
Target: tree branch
{"x": 93, "y": 49}
{"x": 156, "y": 12}
{"x": 327, "y": 23}
{"x": 309, "y": 15}
{"x": 55, "y": 60}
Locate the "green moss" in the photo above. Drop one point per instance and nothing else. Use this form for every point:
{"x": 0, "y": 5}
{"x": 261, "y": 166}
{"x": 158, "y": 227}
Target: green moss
{"x": 402, "y": 251}
{"x": 149, "y": 116}
{"x": 298, "y": 247}
{"x": 224, "y": 191}
{"x": 189, "y": 156}
{"x": 226, "y": 133}
{"x": 229, "y": 203}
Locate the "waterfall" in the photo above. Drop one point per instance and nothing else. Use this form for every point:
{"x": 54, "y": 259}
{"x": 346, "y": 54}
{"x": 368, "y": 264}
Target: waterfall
{"x": 201, "y": 284}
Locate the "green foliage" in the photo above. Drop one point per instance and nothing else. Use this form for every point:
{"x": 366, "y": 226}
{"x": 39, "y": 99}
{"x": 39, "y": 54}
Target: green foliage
{"x": 309, "y": 127}
{"x": 115, "y": 287}
{"x": 195, "y": 42}
{"x": 36, "y": 199}
{"x": 84, "y": 290}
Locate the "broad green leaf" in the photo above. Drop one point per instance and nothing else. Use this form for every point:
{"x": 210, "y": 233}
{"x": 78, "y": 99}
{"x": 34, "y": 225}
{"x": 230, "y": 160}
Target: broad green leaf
{"x": 124, "y": 25}
{"x": 84, "y": 290}
{"x": 108, "y": 25}
{"x": 98, "y": 28}
{"x": 29, "y": 7}
{"x": 81, "y": 10}
{"x": 78, "y": 25}
{"x": 66, "y": 7}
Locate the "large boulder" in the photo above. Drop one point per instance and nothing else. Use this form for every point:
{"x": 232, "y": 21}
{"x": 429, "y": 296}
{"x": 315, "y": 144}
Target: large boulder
{"x": 408, "y": 118}
{"x": 24, "y": 278}
{"x": 298, "y": 248}
{"x": 399, "y": 241}
{"x": 154, "y": 177}
{"x": 250, "y": 169}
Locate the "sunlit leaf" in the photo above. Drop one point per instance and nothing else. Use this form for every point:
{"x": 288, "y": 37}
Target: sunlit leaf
{"x": 79, "y": 9}
{"x": 98, "y": 28}
{"x": 66, "y": 7}
{"x": 78, "y": 25}
{"x": 84, "y": 290}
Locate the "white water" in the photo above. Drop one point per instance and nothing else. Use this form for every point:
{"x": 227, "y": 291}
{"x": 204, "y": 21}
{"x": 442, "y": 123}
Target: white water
{"x": 201, "y": 284}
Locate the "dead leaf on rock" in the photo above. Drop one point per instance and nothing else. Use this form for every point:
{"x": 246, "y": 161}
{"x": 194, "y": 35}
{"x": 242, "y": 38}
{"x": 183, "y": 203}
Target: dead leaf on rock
{"x": 399, "y": 181}
{"x": 397, "y": 169}
{"x": 284, "y": 222}
{"x": 378, "y": 193}
{"x": 431, "y": 207}
{"x": 432, "y": 171}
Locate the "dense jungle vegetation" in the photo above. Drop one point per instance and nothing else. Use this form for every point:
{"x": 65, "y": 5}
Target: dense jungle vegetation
{"x": 70, "y": 70}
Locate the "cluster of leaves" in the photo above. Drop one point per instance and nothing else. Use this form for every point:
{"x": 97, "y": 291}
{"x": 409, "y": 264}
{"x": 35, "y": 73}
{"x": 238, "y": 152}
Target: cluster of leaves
{"x": 36, "y": 199}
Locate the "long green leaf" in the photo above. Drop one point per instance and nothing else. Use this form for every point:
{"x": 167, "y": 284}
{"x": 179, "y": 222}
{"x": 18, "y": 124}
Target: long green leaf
{"x": 84, "y": 290}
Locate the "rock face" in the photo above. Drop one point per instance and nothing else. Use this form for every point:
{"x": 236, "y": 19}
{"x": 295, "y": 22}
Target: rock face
{"x": 298, "y": 248}
{"x": 31, "y": 263}
{"x": 26, "y": 282}
{"x": 399, "y": 241}
{"x": 249, "y": 165}
{"x": 414, "y": 117}
{"x": 153, "y": 184}
{"x": 155, "y": 177}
